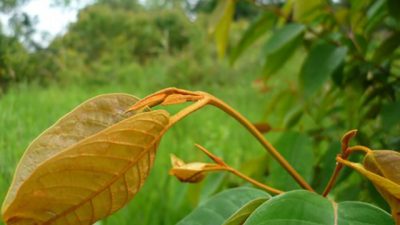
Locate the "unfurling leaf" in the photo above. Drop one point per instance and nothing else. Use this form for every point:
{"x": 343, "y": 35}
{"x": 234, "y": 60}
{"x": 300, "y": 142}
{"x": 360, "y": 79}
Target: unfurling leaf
{"x": 87, "y": 165}
{"x": 191, "y": 172}
{"x": 382, "y": 168}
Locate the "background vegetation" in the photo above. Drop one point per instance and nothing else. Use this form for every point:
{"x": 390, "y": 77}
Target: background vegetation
{"x": 307, "y": 70}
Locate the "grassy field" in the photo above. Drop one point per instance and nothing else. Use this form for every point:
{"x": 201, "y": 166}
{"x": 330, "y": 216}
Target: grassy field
{"x": 26, "y": 110}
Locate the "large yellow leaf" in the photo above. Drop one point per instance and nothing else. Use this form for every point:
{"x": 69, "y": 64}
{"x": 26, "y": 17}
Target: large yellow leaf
{"x": 86, "y": 166}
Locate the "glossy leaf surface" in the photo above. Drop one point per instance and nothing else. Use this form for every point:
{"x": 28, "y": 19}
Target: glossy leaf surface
{"x": 220, "y": 207}
{"x": 297, "y": 149}
{"x": 240, "y": 216}
{"x": 306, "y": 208}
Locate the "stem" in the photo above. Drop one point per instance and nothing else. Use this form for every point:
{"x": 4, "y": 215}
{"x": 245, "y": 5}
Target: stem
{"x": 332, "y": 180}
{"x": 201, "y": 99}
{"x": 268, "y": 146}
{"x": 226, "y": 167}
{"x": 188, "y": 110}
{"x": 345, "y": 154}
{"x": 254, "y": 182}
{"x": 359, "y": 148}
{"x": 339, "y": 165}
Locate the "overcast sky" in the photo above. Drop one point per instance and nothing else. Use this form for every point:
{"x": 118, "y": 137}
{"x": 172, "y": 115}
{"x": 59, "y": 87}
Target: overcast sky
{"x": 51, "y": 19}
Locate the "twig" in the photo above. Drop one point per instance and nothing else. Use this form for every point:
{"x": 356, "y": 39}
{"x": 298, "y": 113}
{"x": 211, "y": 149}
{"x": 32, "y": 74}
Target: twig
{"x": 237, "y": 173}
{"x": 202, "y": 99}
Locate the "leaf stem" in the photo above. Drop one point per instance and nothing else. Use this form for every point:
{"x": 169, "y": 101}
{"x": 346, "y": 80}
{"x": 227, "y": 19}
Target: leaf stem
{"x": 201, "y": 99}
{"x": 345, "y": 153}
{"x": 267, "y": 145}
{"x": 359, "y": 148}
{"x": 254, "y": 182}
{"x": 228, "y": 168}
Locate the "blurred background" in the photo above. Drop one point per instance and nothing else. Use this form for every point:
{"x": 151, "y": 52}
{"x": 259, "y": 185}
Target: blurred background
{"x": 304, "y": 71}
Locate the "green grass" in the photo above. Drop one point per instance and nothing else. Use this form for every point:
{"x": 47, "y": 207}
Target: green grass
{"x": 26, "y": 110}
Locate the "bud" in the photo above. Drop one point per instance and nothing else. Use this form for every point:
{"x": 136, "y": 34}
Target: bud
{"x": 191, "y": 172}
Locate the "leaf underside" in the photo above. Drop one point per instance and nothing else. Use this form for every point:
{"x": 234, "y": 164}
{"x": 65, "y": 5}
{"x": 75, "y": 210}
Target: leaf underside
{"x": 95, "y": 175}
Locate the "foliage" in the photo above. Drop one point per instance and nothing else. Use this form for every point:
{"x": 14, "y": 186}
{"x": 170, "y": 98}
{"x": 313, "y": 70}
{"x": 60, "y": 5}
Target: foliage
{"x": 326, "y": 68}
{"x": 101, "y": 153}
{"x": 344, "y": 58}
{"x": 14, "y": 60}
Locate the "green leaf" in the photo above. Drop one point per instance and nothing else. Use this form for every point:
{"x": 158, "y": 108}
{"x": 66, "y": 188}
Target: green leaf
{"x": 326, "y": 166}
{"x": 225, "y": 10}
{"x": 387, "y": 47}
{"x": 281, "y": 46}
{"x": 307, "y": 10}
{"x": 220, "y": 207}
{"x": 375, "y": 14}
{"x": 305, "y": 208}
{"x": 390, "y": 115}
{"x": 293, "y": 118}
{"x": 393, "y": 8}
{"x": 297, "y": 149}
{"x": 320, "y": 64}
{"x": 255, "y": 31}
{"x": 243, "y": 213}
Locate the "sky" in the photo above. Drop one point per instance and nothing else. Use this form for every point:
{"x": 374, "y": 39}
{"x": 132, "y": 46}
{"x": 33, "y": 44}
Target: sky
{"x": 52, "y": 20}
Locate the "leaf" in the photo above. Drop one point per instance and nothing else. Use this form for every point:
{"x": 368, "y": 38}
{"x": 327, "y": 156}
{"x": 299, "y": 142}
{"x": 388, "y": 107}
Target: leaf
{"x": 375, "y": 14}
{"x": 381, "y": 168}
{"x": 293, "y": 118}
{"x": 281, "y": 46}
{"x": 220, "y": 207}
{"x": 240, "y": 216}
{"x": 83, "y": 121}
{"x": 326, "y": 166}
{"x": 385, "y": 163}
{"x": 297, "y": 149}
{"x": 307, "y": 10}
{"x": 320, "y": 64}
{"x": 386, "y": 49}
{"x": 255, "y": 31}
{"x": 225, "y": 11}
{"x": 390, "y": 115}
{"x": 92, "y": 173}
{"x": 305, "y": 208}
{"x": 263, "y": 127}
{"x": 393, "y": 8}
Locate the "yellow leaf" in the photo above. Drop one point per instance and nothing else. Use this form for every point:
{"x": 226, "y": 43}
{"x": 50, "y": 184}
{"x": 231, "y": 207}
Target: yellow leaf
{"x": 86, "y": 166}
{"x": 386, "y": 164}
{"x": 382, "y": 168}
{"x": 191, "y": 172}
